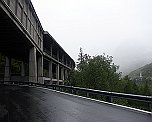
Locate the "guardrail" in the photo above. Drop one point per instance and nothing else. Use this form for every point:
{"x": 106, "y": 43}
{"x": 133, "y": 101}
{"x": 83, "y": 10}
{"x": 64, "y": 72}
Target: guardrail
{"x": 74, "y": 90}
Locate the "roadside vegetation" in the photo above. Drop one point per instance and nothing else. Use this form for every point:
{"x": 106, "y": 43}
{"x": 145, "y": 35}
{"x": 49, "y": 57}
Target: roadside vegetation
{"x": 99, "y": 72}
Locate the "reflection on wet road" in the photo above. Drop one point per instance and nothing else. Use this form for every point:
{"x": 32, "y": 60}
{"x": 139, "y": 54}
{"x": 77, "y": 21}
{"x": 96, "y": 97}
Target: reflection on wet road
{"x": 26, "y": 104}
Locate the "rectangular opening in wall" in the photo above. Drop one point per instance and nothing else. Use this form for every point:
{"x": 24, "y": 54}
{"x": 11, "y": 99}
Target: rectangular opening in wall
{"x": 54, "y": 71}
{"x": 60, "y": 73}
{"x": 54, "y": 53}
{"x": 64, "y": 60}
{"x": 60, "y": 57}
{"x": 15, "y": 67}
{"x": 45, "y": 68}
{"x": 64, "y": 73}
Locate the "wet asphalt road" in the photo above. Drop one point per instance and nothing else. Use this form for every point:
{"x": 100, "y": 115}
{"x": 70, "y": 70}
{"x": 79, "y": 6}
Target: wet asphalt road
{"x": 25, "y": 104}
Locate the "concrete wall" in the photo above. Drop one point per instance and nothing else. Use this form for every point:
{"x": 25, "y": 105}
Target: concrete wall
{"x": 25, "y": 13}
{"x": 23, "y": 16}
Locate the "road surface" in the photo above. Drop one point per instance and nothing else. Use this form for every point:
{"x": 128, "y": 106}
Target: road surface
{"x": 30, "y": 104}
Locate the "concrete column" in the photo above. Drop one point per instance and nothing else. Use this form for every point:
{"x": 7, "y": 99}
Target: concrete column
{"x": 7, "y": 74}
{"x": 50, "y": 71}
{"x": 22, "y": 69}
{"x": 32, "y": 65}
{"x": 58, "y": 68}
{"x": 40, "y": 70}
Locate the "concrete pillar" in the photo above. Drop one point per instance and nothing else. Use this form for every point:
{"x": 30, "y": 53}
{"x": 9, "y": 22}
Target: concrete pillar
{"x": 58, "y": 68}
{"x": 22, "y": 69}
{"x": 32, "y": 65}
{"x": 40, "y": 70}
{"x": 7, "y": 74}
{"x": 50, "y": 71}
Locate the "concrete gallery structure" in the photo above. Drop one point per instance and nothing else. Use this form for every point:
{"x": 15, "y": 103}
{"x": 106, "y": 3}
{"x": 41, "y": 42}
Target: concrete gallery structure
{"x": 22, "y": 38}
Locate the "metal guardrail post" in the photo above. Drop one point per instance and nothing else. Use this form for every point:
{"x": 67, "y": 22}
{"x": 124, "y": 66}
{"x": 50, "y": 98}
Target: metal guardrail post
{"x": 72, "y": 91}
{"x": 87, "y": 94}
{"x": 109, "y": 99}
{"x": 76, "y": 92}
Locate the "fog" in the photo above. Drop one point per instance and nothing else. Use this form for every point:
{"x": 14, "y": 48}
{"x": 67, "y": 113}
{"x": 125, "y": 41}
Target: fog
{"x": 121, "y": 28}
{"x": 133, "y": 55}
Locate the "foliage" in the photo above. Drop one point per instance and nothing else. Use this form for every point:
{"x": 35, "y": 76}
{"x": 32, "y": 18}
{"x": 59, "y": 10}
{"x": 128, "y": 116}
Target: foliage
{"x": 99, "y": 72}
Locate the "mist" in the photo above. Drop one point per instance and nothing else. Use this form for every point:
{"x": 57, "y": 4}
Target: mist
{"x": 132, "y": 55}
{"x": 120, "y": 28}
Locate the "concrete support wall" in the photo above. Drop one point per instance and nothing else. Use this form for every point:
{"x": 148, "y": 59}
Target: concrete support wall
{"x": 32, "y": 65}
{"x": 7, "y": 69}
{"x": 40, "y": 70}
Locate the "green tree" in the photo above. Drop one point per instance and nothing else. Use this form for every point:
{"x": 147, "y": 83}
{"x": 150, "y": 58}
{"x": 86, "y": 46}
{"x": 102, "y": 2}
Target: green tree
{"x": 97, "y": 72}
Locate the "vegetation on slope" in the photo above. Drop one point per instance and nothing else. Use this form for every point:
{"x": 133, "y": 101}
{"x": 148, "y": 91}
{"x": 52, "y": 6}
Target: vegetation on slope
{"x": 99, "y": 72}
{"x": 144, "y": 72}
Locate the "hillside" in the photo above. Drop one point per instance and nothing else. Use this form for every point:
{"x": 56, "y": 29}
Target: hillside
{"x": 145, "y": 72}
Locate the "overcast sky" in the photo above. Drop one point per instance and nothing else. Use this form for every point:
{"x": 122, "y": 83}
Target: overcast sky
{"x": 121, "y": 28}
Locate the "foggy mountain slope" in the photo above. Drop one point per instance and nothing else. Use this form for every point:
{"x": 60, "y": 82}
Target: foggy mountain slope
{"x": 131, "y": 56}
{"x": 145, "y": 71}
